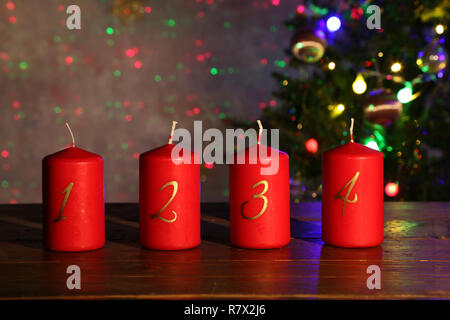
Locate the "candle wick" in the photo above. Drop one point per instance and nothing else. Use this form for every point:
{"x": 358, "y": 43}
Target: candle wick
{"x": 71, "y": 133}
{"x": 174, "y": 123}
{"x": 351, "y": 129}
{"x": 260, "y": 130}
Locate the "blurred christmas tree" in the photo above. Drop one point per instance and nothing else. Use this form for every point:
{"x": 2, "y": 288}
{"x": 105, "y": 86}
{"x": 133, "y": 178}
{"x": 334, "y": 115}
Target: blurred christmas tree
{"x": 392, "y": 80}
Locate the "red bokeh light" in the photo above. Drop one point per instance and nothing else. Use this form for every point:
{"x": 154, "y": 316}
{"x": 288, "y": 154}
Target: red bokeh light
{"x": 200, "y": 57}
{"x": 130, "y": 52}
{"x": 10, "y": 5}
{"x": 312, "y": 145}
{"x": 391, "y": 189}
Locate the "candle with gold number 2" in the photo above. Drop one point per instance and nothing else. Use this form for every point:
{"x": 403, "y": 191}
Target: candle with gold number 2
{"x": 169, "y": 199}
{"x": 73, "y": 200}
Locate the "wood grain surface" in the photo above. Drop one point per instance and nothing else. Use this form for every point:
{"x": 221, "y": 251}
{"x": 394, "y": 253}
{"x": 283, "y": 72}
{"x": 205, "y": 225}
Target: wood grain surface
{"x": 414, "y": 260}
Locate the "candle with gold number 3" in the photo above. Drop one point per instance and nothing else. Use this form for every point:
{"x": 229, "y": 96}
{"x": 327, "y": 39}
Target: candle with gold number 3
{"x": 259, "y": 204}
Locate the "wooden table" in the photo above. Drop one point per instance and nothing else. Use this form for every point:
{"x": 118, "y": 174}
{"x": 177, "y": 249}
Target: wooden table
{"x": 414, "y": 260}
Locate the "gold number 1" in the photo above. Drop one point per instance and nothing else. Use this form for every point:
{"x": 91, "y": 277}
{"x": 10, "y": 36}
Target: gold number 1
{"x": 175, "y": 216}
{"x": 67, "y": 192}
{"x": 350, "y": 186}
{"x": 255, "y": 196}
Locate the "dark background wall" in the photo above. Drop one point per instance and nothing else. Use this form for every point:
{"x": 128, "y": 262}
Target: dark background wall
{"x": 120, "y": 91}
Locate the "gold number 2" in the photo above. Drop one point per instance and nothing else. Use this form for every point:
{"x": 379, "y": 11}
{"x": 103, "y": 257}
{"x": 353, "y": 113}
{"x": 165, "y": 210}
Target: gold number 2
{"x": 255, "y": 196}
{"x": 67, "y": 192}
{"x": 174, "y": 192}
{"x": 350, "y": 186}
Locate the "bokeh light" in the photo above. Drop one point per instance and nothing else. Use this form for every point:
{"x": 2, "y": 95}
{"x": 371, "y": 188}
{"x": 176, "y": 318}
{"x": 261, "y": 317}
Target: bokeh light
{"x": 359, "y": 86}
{"x": 405, "y": 95}
{"x": 333, "y": 23}
{"x": 300, "y": 9}
{"x": 312, "y": 145}
{"x": 372, "y": 144}
{"x": 391, "y": 189}
{"x": 10, "y": 5}
{"x": 396, "y": 67}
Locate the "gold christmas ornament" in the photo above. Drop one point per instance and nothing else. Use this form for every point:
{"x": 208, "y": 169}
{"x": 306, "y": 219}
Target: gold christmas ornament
{"x": 308, "y": 45}
{"x": 381, "y": 107}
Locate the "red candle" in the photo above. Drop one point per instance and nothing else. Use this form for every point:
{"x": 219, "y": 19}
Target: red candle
{"x": 352, "y": 196}
{"x": 73, "y": 200}
{"x": 259, "y": 204}
{"x": 169, "y": 199}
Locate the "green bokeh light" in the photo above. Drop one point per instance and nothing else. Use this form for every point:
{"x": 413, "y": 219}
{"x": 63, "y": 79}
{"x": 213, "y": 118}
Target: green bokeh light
{"x": 171, "y": 23}
{"x": 23, "y": 65}
{"x": 213, "y": 71}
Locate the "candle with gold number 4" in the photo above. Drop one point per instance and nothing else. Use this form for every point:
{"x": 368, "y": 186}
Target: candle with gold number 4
{"x": 352, "y": 195}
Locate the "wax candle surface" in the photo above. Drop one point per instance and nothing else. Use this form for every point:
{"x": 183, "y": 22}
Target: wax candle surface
{"x": 73, "y": 201}
{"x": 169, "y": 200}
{"x": 352, "y": 196}
{"x": 259, "y": 204}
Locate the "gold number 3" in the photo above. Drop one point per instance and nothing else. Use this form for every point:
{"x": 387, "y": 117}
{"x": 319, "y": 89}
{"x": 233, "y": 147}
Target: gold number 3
{"x": 174, "y": 192}
{"x": 352, "y": 184}
{"x": 255, "y": 196}
{"x": 67, "y": 192}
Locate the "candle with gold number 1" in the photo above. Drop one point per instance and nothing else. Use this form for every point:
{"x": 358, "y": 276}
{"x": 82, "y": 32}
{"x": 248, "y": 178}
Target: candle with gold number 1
{"x": 169, "y": 199}
{"x": 73, "y": 200}
{"x": 352, "y": 195}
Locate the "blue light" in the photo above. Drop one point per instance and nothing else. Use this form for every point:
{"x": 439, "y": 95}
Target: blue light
{"x": 333, "y": 23}
{"x": 320, "y": 34}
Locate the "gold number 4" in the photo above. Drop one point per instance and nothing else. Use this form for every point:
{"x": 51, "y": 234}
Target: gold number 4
{"x": 174, "y": 192}
{"x": 67, "y": 192}
{"x": 255, "y": 196}
{"x": 350, "y": 186}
